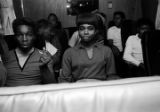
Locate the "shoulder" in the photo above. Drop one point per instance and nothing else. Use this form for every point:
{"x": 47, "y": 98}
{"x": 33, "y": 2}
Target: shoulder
{"x": 38, "y": 52}
{"x": 112, "y": 28}
{"x": 69, "y": 51}
{"x": 132, "y": 38}
{"x": 75, "y": 33}
{"x": 10, "y": 52}
{"x": 105, "y": 48}
{"x": 105, "y": 51}
{"x": 9, "y": 55}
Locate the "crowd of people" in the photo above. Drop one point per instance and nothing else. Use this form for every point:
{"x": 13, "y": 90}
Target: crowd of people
{"x": 95, "y": 52}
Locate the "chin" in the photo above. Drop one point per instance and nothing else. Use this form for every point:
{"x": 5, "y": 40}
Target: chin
{"x": 87, "y": 39}
{"x": 25, "y": 49}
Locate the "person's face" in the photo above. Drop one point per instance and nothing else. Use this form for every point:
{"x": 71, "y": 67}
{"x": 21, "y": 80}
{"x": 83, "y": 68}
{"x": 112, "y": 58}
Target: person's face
{"x": 86, "y": 32}
{"x": 45, "y": 33}
{"x": 142, "y": 29}
{"x": 117, "y": 20}
{"x": 52, "y": 20}
{"x": 25, "y": 37}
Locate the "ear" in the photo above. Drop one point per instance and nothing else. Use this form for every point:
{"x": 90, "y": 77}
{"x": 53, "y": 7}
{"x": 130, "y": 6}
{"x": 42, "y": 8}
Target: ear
{"x": 97, "y": 31}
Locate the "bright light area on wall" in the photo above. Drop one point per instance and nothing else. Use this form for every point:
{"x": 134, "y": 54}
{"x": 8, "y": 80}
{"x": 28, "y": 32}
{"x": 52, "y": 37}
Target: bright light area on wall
{"x": 68, "y": 6}
{"x": 80, "y": 5}
{"x": 75, "y": 7}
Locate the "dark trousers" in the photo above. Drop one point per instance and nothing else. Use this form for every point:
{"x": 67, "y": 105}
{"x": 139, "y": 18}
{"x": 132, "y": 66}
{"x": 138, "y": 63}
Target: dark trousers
{"x": 135, "y": 71}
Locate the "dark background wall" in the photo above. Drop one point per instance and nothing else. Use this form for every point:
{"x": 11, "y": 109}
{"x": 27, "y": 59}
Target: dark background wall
{"x": 134, "y": 9}
{"x": 149, "y": 8}
{"x": 17, "y": 8}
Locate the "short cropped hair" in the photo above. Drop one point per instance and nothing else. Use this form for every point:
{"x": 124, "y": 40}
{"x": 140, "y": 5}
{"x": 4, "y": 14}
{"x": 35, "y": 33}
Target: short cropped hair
{"x": 54, "y": 15}
{"x": 120, "y": 13}
{"x": 23, "y": 21}
{"x": 145, "y": 21}
{"x": 89, "y": 18}
{"x": 44, "y": 24}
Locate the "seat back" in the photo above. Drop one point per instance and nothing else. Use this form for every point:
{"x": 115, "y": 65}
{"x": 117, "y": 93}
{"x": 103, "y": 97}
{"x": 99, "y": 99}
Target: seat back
{"x": 69, "y": 31}
{"x": 125, "y": 95}
{"x": 151, "y": 51}
{"x": 10, "y": 41}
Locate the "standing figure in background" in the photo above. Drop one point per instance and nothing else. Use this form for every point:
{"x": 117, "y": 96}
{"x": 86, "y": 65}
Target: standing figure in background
{"x": 89, "y": 60}
{"x": 58, "y": 31}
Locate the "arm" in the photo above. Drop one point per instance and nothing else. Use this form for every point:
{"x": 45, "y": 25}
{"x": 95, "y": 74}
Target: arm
{"x": 46, "y": 68}
{"x": 114, "y": 48}
{"x": 74, "y": 39}
{"x": 128, "y": 53}
{"x": 65, "y": 75}
{"x": 110, "y": 37}
{"x": 57, "y": 57}
{"x": 110, "y": 66}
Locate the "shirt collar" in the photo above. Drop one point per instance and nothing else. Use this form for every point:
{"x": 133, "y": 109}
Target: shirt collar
{"x": 18, "y": 51}
{"x": 81, "y": 46}
{"x": 138, "y": 37}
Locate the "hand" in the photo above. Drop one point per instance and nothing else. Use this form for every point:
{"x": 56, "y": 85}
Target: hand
{"x": 46, "y": 57}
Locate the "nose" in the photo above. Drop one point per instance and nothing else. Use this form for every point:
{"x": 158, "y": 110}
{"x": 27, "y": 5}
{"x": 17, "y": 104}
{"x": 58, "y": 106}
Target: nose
{"x": 24, "y": 37}
{"x": 86, "y": 31}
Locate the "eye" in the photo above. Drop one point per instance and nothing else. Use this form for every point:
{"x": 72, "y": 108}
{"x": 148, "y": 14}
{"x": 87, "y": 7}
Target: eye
{"x": 81, "y": 28}
{"x": 91, "y": 28}
{"x": 29, "y": 34}
{"x": 19, "y": 34}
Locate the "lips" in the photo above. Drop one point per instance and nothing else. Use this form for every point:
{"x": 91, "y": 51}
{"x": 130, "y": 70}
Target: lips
{"x": 25, "y": 44}
{"x": 86, "y": 37}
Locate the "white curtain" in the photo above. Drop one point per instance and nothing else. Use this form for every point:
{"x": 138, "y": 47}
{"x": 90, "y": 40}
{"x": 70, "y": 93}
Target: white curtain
{"x": 7, "y": 16}
{"x": 157, "y": 24}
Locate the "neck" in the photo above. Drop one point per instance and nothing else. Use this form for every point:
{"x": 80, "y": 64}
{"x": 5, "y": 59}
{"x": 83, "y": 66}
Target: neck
{"x": 140, "y": 35}
{"x": 24, "y": 52}
{"x": 118, "y": 26}
{"x": 88, "y": 44}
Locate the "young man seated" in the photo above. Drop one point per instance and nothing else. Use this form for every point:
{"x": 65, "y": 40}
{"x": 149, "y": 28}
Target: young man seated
{"x": 90, "y": 60}
{"x": 133, "y": 54}
{"x": 27, "y": 65}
